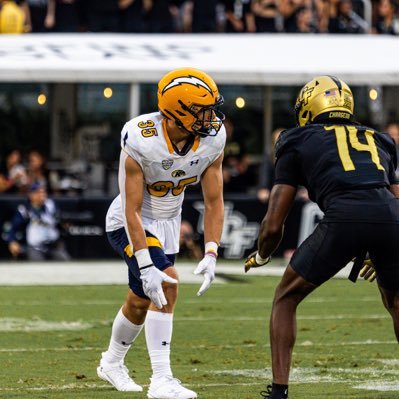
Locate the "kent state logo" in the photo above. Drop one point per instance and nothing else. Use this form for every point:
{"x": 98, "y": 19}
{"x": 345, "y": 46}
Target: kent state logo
{"x": 178, "y": 173}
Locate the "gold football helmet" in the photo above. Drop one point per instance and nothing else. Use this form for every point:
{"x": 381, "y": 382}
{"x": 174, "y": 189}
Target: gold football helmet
{"x": 324, "y": 95}
{"x": 191, "y": 98}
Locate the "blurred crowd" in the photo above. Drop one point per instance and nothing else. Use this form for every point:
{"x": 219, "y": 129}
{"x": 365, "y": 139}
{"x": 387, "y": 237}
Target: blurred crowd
{"x": 199, "y": 16}
{"x": 18, "y": 173}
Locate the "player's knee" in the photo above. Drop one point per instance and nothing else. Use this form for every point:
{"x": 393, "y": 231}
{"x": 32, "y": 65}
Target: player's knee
{"x": 136, "y": 304}
{"x": 171, "y": 272}
{"x": 286, "y": 296}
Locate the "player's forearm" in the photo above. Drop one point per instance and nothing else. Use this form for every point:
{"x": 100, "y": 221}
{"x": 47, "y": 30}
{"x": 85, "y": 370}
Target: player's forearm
{"x": 136, "y": 231}
{"x": 213, "y": 221}
{"x": 269, "y": 239}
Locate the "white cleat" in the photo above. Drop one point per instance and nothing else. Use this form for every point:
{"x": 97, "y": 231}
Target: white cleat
{"x": 117, "y": 375}
{"x": 169, "y": 388}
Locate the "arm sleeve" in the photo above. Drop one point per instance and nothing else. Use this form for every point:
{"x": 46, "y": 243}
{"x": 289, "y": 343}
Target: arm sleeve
{"x": 288, "y": 169}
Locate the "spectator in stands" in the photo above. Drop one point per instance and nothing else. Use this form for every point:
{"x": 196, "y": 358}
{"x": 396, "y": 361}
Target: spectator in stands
{"x": 344, "y": 20}
{"x": 37, "y": 222}
{"x": 189, "y": 246}
{"x": 37, "y": 170}
{"x": 200, "y": 16}
{"x": 12, "y": 17}
{"x": 289, "y": 10}
{"x": 132, "y": 14}
{"x": 305, "y": 22}
{"x": 266, "y": 15}
{"x": 386, "y": 21}
{"x": 239, "y": 16}
{"x": 102, "y": 16}
{"x": 40, "y": 15}
{"x": 63, "y": 15}
{"x": 13, "y": 176}
{"x": 162, "y": 14}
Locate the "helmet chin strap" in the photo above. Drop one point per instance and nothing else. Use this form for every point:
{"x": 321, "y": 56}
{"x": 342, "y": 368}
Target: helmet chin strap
{"x": 186, "y": 131}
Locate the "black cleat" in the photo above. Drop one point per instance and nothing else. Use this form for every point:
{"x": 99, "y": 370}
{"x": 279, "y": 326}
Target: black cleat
{"x": 269, "y": 394}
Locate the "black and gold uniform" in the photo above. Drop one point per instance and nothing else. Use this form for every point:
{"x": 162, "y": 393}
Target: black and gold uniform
{"x": 347, "y": 169}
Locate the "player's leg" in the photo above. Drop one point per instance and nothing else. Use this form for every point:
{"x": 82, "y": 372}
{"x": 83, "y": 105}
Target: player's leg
{"x": 384, "y": 253}
{"x": 127, "y": 324}
{"x": 313, "y": 263}
{"x": 289, "y": 293}
{"x": 390, "y": 300}
{"x": 158, "y": 333}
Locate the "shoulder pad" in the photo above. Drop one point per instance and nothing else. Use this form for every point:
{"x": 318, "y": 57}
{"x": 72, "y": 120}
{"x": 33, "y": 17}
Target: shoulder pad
{"x": 287, "y": 139}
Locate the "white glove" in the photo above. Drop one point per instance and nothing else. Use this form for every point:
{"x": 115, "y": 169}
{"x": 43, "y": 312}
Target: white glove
{"x": 152, "y": 279}
{"x": 207, "y": 268}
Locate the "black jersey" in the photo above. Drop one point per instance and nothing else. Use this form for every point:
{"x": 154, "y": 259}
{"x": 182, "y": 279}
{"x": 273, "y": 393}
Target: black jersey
{"x": 340, "y": 165}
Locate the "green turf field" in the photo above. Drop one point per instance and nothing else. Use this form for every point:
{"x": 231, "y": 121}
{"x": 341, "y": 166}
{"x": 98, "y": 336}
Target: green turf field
{"x": 52, "y": 337}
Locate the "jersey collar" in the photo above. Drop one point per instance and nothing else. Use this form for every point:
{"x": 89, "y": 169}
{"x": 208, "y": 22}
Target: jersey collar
{"x": 191, "y": 144}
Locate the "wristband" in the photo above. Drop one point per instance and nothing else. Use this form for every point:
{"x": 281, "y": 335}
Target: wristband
{"x": 143, "y": 258}
{"x": 261, "y": 261}
{"x": 211, "y": 248}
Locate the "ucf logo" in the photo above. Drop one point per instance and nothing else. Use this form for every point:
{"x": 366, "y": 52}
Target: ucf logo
{"x": 306, "y": 93}
{"x": 178, "y": 173}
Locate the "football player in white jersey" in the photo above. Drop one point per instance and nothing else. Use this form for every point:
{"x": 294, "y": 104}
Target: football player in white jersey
{"x": 162, "y": 153}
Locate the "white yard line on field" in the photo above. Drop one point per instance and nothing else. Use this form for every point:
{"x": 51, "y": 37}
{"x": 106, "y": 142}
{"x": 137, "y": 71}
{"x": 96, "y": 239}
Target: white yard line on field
{"x": 9, "y": 324}
{"x": 387, "y": 362}
{"x": 115, "y": 272}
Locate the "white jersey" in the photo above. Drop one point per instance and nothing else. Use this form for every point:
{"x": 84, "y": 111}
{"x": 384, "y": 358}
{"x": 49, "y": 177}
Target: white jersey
{"x": 166, "y": 173}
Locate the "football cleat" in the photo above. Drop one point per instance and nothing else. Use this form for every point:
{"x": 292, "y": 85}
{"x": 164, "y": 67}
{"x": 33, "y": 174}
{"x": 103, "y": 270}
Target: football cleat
{"x": 270, "y": 395}
{"x": 169, "y": 388}
{"x": 117, "y": 375}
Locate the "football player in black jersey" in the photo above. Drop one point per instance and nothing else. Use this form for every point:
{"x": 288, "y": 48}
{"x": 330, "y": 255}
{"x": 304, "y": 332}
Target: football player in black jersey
{"x": 349, "y": 171}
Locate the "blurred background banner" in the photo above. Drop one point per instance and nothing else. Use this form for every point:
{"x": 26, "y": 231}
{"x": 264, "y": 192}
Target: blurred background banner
{"x": 230, "y": 59}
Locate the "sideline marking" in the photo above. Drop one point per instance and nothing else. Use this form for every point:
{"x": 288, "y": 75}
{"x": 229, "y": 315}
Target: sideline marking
{"x": 313, "y": 375}
{"x": 9, "y": 324}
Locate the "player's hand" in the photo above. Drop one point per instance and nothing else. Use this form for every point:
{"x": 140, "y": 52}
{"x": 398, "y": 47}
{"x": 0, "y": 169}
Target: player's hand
{"x": 254, "y": 260}
{"x": 207, "y": 268}
{"x": 152, "y": 279}
{"x": 368, "y": 272}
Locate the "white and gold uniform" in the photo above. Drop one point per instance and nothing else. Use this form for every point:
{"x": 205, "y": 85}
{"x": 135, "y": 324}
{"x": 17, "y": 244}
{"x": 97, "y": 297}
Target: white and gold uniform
{"x": 166, "y": 175}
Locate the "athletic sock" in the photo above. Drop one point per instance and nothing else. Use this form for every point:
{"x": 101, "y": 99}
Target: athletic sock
{"x": 124, "y": 332}
{"x": 158, "y": 335}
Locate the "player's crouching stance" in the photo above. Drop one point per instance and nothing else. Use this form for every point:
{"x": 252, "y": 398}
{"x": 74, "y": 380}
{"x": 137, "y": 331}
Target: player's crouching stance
{"x": 162, "y": 153}
{"x": 349, "y": 170}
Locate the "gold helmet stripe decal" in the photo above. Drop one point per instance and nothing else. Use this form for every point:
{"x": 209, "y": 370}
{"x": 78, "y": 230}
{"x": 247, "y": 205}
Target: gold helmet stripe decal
{"x": 337, "y": 82}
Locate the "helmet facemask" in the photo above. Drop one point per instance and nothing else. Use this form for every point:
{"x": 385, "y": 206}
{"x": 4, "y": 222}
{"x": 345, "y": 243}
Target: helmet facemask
{"x": 208, "y": 119}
